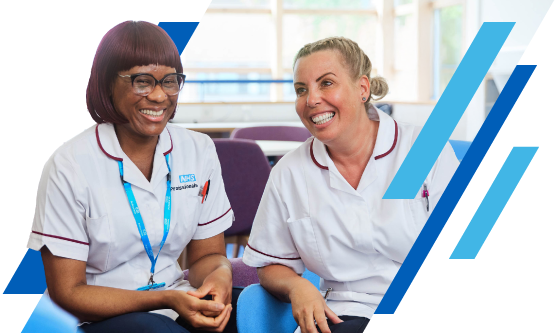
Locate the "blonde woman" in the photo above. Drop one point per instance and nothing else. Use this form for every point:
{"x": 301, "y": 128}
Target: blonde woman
{"x": 322, "y": 208}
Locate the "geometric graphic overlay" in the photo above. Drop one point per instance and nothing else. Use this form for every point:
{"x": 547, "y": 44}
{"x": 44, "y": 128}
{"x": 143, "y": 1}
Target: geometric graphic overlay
{"x": 495, "y": 200}
{"x": 50, "y": 318}
{"x": 29, "y": 276}
{"x": 455, "y": 189}
{"x": 448, "y": 111}
{"x": 180, "y": 32}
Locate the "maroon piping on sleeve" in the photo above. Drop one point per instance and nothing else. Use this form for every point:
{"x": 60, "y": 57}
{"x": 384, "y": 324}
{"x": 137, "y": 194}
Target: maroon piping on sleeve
{"x": 268, "y": 255}
{"x": 392, "y": 147}
{"x": 314, "y": 160}
{"x": 214, "y": 220}
{"x": 62, "y": 238}
{"x": 102, "y": 148}
{"x": 171, "y": 141}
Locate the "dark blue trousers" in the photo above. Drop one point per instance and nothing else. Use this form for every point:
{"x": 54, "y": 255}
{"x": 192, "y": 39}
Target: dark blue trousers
{"x": 145, "y": 322}
{"x": 350, "y": 324}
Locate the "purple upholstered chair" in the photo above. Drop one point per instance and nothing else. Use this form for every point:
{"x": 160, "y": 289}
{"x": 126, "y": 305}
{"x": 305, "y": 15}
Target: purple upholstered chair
{"x": 243, "y": 275}
{"x": 245, "y": 171}
{"x": 276, "y": 133}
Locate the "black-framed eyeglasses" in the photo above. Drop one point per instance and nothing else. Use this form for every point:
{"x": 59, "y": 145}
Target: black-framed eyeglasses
{"x": 143, "y": 83}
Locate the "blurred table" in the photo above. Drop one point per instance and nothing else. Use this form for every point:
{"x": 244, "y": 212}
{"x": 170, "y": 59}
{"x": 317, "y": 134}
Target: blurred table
{"x": 277, "y": 148}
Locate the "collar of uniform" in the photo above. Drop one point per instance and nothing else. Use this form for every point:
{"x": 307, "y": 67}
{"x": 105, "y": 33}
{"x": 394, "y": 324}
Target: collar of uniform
{"x": 109, "y": 144}
{"x": 386, "y": 140}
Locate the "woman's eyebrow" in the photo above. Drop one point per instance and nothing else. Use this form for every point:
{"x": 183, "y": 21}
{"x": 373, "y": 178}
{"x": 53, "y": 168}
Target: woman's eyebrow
{"x": 318, "y": 79}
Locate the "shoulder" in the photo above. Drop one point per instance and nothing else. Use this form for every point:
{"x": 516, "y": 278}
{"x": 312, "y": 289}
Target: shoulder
{"x": 78, "y": 145}
{"x": 408, "y": 132}
{"x": 291, "y": 165}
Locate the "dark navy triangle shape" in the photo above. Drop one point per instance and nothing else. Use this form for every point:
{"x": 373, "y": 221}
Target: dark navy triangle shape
{"x": 180, "y": 32}
{"x": 29, "y": 277}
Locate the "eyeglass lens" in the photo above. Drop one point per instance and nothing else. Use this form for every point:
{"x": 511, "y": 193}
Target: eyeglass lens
{"x": 144, "y": 84}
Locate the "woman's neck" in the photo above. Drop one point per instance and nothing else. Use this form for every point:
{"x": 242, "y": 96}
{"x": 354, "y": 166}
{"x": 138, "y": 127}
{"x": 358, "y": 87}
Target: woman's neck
{"x": 139, "y": 149}
{"x": 351, "y": 152}
{"x": 355, "y": 146}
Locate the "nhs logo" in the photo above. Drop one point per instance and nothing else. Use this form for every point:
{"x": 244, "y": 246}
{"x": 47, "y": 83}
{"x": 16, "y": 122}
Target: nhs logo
{"x": 187, "y": 178}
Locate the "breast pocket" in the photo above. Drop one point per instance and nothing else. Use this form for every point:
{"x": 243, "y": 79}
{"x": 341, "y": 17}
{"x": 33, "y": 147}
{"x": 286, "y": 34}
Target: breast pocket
{"x": 100, "y": 241}
{"x": 304, "y": 237}
{"x": 419, "y": 211}
{"x": 184, "y": 221}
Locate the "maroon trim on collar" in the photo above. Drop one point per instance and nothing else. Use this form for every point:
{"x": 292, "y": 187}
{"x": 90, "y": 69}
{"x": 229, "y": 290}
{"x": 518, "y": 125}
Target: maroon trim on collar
{"x": 102, "y": 148}
{"x": 214, "y": 220}
{"x": 171, "y": 141}
{"x": 392, "y": 147}
{"x": 315, "y": 162}
{"x": 271, "y": 255}
{"x": 62, "y": 238}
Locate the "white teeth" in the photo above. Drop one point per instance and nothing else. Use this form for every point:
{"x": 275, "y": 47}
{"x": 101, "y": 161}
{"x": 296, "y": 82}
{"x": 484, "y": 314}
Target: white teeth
{"x": 324, "y": 118}
{"x": 152, "y": 113}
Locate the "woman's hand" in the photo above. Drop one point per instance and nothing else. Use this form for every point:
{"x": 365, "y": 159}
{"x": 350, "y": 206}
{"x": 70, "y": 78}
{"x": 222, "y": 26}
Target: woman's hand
{"x": 191, "y": 309}
{"x": 309, "y": 306}
{"x": 218, "y": 284}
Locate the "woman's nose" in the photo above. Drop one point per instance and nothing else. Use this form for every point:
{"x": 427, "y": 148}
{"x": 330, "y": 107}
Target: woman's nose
{"x": 157, "y": 94}
{"x": 313, "y": 98}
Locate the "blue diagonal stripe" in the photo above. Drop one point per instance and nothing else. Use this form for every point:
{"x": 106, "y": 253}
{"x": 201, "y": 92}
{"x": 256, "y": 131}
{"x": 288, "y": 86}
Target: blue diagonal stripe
{"x": 448, "y": 110}
{"x": 494, "y": 202}
{"x": 455, "y": 189}
{"x": 180, "y": 32}
{"x": 29, "y": 277}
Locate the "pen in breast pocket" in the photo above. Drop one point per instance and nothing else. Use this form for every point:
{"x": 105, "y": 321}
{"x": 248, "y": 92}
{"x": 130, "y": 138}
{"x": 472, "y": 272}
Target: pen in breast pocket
{"x": 205, "y": 191}
{"x": 425, "y": 194}
{"x": 327, "y": 294}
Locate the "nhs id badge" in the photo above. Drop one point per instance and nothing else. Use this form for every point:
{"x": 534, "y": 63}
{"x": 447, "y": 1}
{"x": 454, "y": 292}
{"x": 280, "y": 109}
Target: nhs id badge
{"x": 154, "y": 286}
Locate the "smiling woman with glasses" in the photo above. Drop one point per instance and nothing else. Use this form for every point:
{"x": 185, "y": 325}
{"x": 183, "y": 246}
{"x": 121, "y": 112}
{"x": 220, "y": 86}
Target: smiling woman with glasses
{"x": 112, "y": 214}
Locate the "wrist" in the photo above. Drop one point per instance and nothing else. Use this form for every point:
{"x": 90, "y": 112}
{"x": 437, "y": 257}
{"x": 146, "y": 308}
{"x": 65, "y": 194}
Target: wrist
{"x": 168, "y": 298}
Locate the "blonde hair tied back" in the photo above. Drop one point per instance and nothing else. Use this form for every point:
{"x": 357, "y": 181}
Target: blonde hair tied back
{"x": 355, "y": 59}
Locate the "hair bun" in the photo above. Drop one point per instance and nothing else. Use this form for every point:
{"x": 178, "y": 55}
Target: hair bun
{"x": 378, "y": 88}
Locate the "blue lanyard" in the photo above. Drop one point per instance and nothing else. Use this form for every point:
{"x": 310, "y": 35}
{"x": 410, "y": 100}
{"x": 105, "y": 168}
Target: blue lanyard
{"x": 139, "y": 219}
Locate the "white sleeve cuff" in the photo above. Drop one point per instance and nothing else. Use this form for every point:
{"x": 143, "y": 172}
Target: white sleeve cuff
{"x": 255, "y": 258}
{"x": 214, "y": 227}
{"x": 60, "y": 246}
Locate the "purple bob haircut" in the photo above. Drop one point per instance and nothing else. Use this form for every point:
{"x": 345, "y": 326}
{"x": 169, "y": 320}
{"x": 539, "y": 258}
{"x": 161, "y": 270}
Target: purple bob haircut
{"x": 128, "y": 44}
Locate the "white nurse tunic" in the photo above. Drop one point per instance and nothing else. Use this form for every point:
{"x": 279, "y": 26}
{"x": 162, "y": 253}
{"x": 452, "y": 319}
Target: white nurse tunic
{"x": 83, "y": 213}
{"x": 354, "y": 240}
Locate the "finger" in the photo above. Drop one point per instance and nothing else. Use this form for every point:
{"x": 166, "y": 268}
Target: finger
{"x": 222, "y": 326}
{"x": 332, "y": 316}
{"x": 200, "y": 292}
{"x": 213, "y": 314}
{"x": 222, "y": 296}
{"x": 321, "y": 320}
{"x": 308, "y": 320}
{"x": 202, "y": 305}
{"x": 200, "y": 321}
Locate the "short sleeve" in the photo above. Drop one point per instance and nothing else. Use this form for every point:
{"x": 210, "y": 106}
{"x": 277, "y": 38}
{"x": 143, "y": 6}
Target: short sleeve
{"x": 59, "y": 221}
{"x": 270, "y": 241}
{"x": 216, "y": 215}
{"x": 443, "y": 171}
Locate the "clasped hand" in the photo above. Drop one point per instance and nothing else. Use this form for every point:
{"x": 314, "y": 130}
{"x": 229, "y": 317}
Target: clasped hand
{"x": 211, "y": 315}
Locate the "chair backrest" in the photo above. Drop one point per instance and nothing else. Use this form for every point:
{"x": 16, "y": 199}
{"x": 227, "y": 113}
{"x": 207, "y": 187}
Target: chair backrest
{"x": 385, "y": 107}
{"x": 276, "y": 133}
{"x": 243, "y": 275}
{"x": 260, "y": 312}
{"x": 245, "y": 171}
